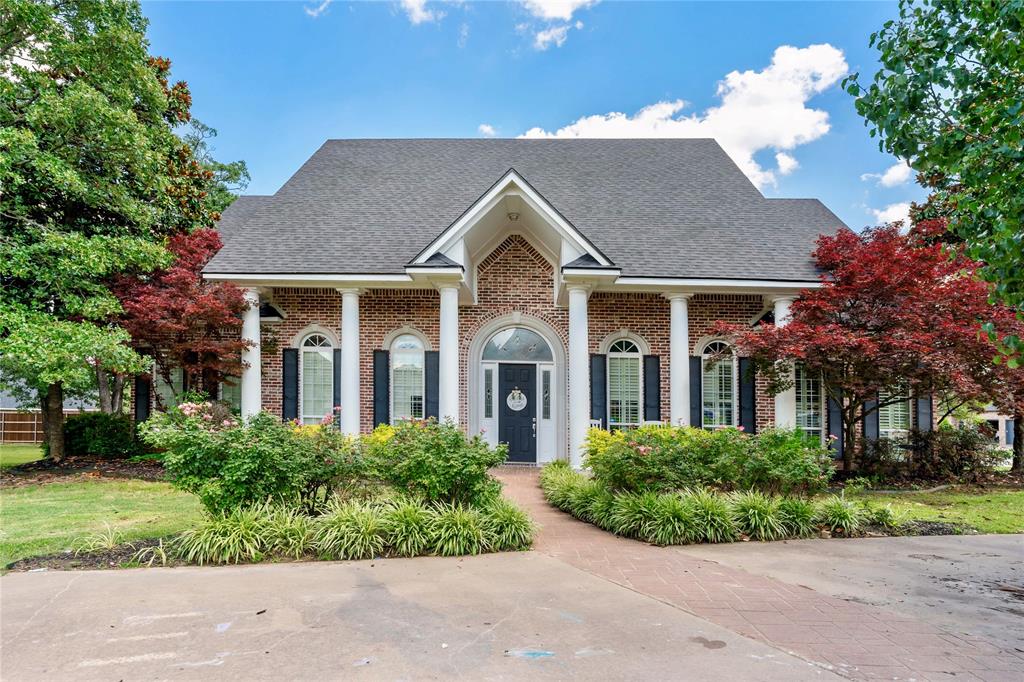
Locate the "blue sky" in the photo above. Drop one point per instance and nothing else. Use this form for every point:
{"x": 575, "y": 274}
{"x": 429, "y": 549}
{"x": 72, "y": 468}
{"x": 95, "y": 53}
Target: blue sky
{"x": 278, "y": 78}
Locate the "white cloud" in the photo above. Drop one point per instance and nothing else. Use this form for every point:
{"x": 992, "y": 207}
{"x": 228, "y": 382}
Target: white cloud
{"x": 463, "y": 34}
{"x": 897, "y": 174}
{"x": 418, "y": 13}
{"x": 759, "y": 110}
{"x": 487, "y": 130}
{"x": 893, "y": 213}
{"x": 556, "y": 9}
{"x": 787, "y": 164}
{"x": 319, "y": 9}
{"x": 553, "y": 35}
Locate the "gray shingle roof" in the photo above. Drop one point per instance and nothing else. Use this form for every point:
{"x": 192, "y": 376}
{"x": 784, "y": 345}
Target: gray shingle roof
{"x": 239, "y": 213}
{"x": 655, "y": 207}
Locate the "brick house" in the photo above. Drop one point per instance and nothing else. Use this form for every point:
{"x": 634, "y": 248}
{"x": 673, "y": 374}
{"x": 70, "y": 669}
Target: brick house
{"x": 524, "y": 289}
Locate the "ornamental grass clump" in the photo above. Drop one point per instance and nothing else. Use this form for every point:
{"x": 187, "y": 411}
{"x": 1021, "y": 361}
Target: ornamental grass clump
{"x": 712, "y": 517}
{"x": 507, "y": 527}
{"x": 797, "y": 516}
{"x": 231, "y": 538}
{"x": 632, "y": 513}
{"x": 673, "y": 522}
{"x": 757, "y": 515}
{"x": 456, "y": 530}
{"x": 840, "y": 515}
{"x": 350, "y": 530}
{"x": 289, "y": 532}
{"x": 407, "y": 526}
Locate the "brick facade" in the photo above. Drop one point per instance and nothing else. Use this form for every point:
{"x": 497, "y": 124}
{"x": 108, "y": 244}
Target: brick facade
{"x": 515, "y": 277}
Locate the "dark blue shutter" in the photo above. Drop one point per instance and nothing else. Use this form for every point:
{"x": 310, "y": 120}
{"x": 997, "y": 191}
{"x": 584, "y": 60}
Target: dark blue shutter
{"x": 924, "y": 412}
{"x": 381, "y": 387}
{"x": 748, "y": 397}
{"x": 871, "y": 419}
{"x": 1011, "y": 431}
{"x": 337, "y": 387}
{"x": 835, "y": 427}
{"x": 431, "y": 370}
{"x": 652, "y": 388}
{"x": 696, "y": 394}
{"x": 599, "y": 388}
{"x": 290, "y": 384}
{"x": 142, "y": 398}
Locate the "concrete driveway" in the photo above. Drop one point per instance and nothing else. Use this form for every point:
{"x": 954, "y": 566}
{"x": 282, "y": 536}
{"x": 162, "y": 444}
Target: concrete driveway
{"x": 508, "y": 616}
{"x": 972, "y": 584}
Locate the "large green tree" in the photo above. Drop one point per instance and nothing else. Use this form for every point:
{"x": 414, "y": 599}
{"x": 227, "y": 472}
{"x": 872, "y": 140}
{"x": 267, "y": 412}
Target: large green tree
{"x": 949, "y": 98}
{"x": 93, "y": 180}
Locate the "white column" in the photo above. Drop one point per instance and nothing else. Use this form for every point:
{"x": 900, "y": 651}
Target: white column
{"x": 251, "y": 387}
{"x": 349, "y": 361}
{"x": 579, "y": 374}
{"x": 679, "y": 359}
{"x": 448, "y": 355}
{"x": 785, "y": 402}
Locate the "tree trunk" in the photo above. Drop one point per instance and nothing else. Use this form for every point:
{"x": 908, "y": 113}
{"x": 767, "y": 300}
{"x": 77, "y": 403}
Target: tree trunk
{"x": 117, "y": 394}
{"x": 849, "y": 440}
{"x": 53, "y": 419}
{"x": 1018, "y": 444}
{"x": 103, "y": 385}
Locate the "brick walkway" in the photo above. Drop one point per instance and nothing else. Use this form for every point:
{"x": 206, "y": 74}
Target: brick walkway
{"x": 856, "y": 640}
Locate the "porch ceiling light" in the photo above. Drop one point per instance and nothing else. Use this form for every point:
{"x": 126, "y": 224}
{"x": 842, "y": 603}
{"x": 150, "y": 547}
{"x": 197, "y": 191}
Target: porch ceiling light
{"x": 513, "y": 216}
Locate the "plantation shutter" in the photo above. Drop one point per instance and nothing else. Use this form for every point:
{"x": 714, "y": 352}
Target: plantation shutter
{"x": 142, "y": 398}
{"x": 696, "y": 391}
{"x": 431, "y": 369}
{"x": 599, "y": 388}
{"x": 337, "y": 387}
{"x": 871, "y": 419}
{"x": 748, "y": 397}
{"x": 290, "y": 384}
{"x": 923, "y": 408}
{"x": 381, "y": 389}
{"x": 835, "y": 427}
{"x": 652, "y": 388}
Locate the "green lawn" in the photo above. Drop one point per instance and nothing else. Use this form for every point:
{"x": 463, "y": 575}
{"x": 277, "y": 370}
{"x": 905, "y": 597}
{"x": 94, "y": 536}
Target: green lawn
{"x": 1000, "y": 511}
{"x": 42, "y": 519}
{"x": 11, "y": 455}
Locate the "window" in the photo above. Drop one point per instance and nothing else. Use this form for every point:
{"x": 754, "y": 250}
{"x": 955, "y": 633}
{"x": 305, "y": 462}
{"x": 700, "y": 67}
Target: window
{"x": 488, "y": 393}
{"x": 808, "y": 404}
{"x": 894, "y": 419}
{"x": 407, "y": 383}
{"x": 624, "y": 384}
{"x": 231, "y": 393}
{"x": 517, "y": 344}
{"x": 317, "y": 359}
{"x": 718, "y": 387}
{"x": 545, "y": 384}
{"x": 170, "y": 394}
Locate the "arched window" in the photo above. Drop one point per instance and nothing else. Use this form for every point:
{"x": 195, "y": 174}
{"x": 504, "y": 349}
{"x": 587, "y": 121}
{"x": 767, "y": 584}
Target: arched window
{"x": 317, "y": 360}
{"x": 407, "y": 384}
{"x": 625, "y": 389}
{"x": 517, "y": 344}
{"x": 718, "y": 386}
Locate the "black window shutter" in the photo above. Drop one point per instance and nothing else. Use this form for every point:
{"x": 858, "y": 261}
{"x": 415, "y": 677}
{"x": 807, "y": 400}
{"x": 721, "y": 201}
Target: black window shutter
{"x": 871, "y": 419}
{"x": 599, "y": 388}
{"x": 923, "y": 417}
{"x": 430, "y": 375}
{"x": 652, "y": 388}
{"x": 337, "y": 386}
{"x": 748, "y": 397}
{"x": 142, "y": 398}
{"x": 381, "y": 387}
{"x": 835, "y": 427}
{"x": 696, "y": 394}
{"x": 290, "y": 384}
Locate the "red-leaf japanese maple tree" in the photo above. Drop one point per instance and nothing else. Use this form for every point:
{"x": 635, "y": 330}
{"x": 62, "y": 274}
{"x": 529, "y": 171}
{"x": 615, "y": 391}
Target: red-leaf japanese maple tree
{"x": 895, "y": 312}
{"x": 184, "y": 320}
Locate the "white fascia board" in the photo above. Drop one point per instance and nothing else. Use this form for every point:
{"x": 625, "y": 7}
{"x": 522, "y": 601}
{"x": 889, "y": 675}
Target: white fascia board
{"x": 309, "y": 280}
{"x": 592, "y": 273}
{"x": 711, "y": 284}
{"x": 485, "y": 203}
{"x": 429, "y": 272}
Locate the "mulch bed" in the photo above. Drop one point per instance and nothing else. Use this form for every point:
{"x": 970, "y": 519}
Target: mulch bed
{"x": 74, "y": 469}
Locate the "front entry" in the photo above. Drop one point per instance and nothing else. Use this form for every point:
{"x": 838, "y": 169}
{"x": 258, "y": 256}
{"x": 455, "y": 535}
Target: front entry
{"x": 517, "y": 410}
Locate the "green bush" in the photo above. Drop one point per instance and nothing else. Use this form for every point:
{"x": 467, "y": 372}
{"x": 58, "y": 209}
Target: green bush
{"x": 840, "y": 515}
{"x": 673, "y": 522}
{"x": 350, "y": 530}
{"x": 779, "y": 461}
{"x": 435, "y": 461}
{"x": 712, "y": 517}
{"x": 456, "y": 530}
{"x": 230, "y": 538}
{"x": 633, "y": 513}
{"x": 407, "y": 523}
{"x": 797, "y": 516}
{"x": 99, "y": 434}
{"x": 757, "y": 515}
{"x": 289, "y": 532}
{"x": 507, "y": 527}
{"x": 962, "y": 452}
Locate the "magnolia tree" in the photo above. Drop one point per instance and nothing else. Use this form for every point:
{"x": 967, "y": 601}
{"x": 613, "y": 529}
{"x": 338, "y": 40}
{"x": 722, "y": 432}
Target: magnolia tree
{"x": 895, "y": 312}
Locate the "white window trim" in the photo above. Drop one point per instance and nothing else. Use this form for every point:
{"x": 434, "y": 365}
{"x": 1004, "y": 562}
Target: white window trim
{"x": 302, "y": 372}
{"x": 822, "y": 406}
{"x": 392, "y": 338}
{"x": 639, "y": 356}
{"x": 735, "y": 382}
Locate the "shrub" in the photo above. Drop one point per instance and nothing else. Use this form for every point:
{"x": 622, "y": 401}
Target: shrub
{"x": 289, "y": 532}
{"x": 350, "y": 530}
{"x": 778, "y": 461}
{"x": 961, "y": 452}
{"x": 711, "y": 516}
{"x": 632, "y": 513}
{"x": 797, "y": 516}
{"x": 435, "y": 461}
{"x": 757, "y": 515}
{"x": 840, "y": 515}
{"x": 99, "y": 434}
{"x": 886, "y": 516}
{"x": 230, "y": 538}
{"x": 580, "y": 497}
{"x": 407, "y": 523}
{"x": 457, "y": 530}
{"x": 673, "y": 522}
{"x": 507, "y": 527}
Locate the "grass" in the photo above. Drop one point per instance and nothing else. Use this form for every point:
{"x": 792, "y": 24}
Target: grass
{"x": 13, "y": 454}
{"x": 999, "y": 511}
{"x": 43, "y": 519}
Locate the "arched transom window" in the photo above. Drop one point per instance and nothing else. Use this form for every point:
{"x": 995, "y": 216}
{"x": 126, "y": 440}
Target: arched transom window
{"x": 625, "y": 390}
{"x": 517, "y": 344}
{"x": 407, "y": 383}
{"x": 317, "y": 359}
{"x": 718, "y": 386}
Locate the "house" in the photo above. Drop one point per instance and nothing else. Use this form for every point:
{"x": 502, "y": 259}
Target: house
{"x": 524, "y": 289}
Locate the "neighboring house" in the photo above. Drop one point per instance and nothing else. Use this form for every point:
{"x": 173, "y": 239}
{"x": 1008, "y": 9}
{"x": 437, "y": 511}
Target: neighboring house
{"x": 24, "y": 424}
{"x": 525, "y": 289}
{"x": 1000, "y": 424}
